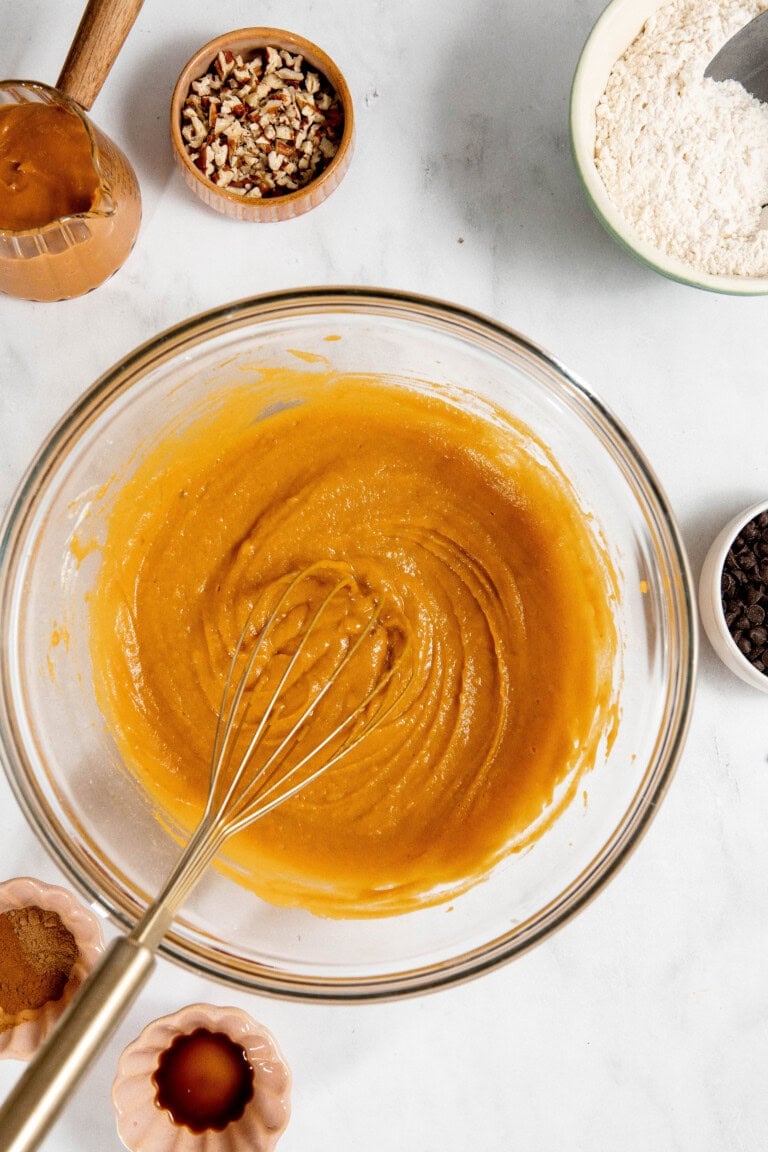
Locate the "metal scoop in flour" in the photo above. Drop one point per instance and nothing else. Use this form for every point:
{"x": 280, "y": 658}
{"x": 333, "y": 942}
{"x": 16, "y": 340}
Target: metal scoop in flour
{"x": 745, "y": 58}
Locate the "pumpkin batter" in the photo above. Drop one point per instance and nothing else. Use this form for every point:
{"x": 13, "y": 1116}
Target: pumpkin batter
{"x": 472, "y": 536}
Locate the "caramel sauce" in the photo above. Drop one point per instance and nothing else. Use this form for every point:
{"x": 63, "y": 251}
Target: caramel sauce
{"x": 204, "y": 1080}
{"x": 46, "y": 166}
{"x": 70, "y": 204}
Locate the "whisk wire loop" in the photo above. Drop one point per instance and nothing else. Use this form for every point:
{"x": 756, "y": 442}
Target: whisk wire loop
{"x": 240, "y": 806}
{"x": 233, "y": 805}
{"x": 232, "y": 718}
{"x": 276, "y": 793}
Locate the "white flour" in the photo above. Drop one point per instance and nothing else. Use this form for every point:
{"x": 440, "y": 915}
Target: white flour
{"x": 683, "y": 158}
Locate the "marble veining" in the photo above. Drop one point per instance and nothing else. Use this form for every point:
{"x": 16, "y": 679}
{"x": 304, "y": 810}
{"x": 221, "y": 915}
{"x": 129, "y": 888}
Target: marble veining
{"x": 643, "y": 1024}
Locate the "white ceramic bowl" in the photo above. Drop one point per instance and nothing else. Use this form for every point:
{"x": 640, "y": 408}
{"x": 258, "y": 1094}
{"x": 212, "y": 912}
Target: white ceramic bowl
{"x": 614, "y": 31}
{"x": 711, "y": 603}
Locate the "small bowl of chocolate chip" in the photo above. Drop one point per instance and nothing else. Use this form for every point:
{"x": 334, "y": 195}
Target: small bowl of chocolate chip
{"x": 733, "y": 595}
{"x": 262, "y": 124}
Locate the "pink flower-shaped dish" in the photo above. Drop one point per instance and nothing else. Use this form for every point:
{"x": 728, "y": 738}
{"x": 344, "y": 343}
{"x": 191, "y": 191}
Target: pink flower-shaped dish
{"x": 49, "y": 942}
{"x": 205, "y": 1079}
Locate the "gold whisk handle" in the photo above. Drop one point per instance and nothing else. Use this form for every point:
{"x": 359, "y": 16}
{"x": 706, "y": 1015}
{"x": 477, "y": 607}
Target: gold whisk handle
{"x": 112, "y": 987}
{"x": 89, "y": 1020}
{"x": 194, "y": 860}
{"x": 99, "y": 1005}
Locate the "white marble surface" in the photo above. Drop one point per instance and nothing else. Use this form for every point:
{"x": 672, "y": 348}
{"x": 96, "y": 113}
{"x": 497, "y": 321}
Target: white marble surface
{"x": 643, "y": 1024}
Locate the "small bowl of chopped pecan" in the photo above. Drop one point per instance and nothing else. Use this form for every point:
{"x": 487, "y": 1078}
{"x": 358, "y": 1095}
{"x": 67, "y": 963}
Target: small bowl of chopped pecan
{"x": 733, "y": 595}
{"x": 262, "y": 124}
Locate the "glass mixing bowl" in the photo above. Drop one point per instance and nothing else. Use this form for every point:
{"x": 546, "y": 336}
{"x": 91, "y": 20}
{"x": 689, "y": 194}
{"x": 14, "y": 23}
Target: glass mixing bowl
{"x": 95, "y": 820}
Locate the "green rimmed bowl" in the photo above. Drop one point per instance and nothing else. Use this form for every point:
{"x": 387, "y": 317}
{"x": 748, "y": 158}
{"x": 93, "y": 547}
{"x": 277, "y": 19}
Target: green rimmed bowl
{"x": 619, "y": 24}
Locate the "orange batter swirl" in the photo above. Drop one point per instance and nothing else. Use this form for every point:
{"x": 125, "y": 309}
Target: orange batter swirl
{"x": 468, "y": 529}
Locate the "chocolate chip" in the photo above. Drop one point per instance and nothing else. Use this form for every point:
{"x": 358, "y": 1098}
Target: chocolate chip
{"x": 755, "y": 613}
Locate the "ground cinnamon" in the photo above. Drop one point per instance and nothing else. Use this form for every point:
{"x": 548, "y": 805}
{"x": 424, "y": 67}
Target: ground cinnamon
{"x": 37, "y": 954}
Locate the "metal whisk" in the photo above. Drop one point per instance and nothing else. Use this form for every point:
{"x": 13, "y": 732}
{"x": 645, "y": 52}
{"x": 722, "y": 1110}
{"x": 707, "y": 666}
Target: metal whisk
{"x": 267, "y": 749}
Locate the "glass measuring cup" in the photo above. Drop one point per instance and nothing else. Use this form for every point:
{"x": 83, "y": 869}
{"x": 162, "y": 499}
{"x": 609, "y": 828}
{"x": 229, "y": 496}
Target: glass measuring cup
{"x": 74, "y": 253}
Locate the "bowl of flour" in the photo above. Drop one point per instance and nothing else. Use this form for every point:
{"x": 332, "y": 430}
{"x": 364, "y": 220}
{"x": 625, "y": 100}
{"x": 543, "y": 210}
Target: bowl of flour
{"x": 674, "y": 165}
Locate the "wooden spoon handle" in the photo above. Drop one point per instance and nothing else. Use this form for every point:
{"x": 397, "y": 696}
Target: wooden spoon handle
{"x": 99, "y": 38}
